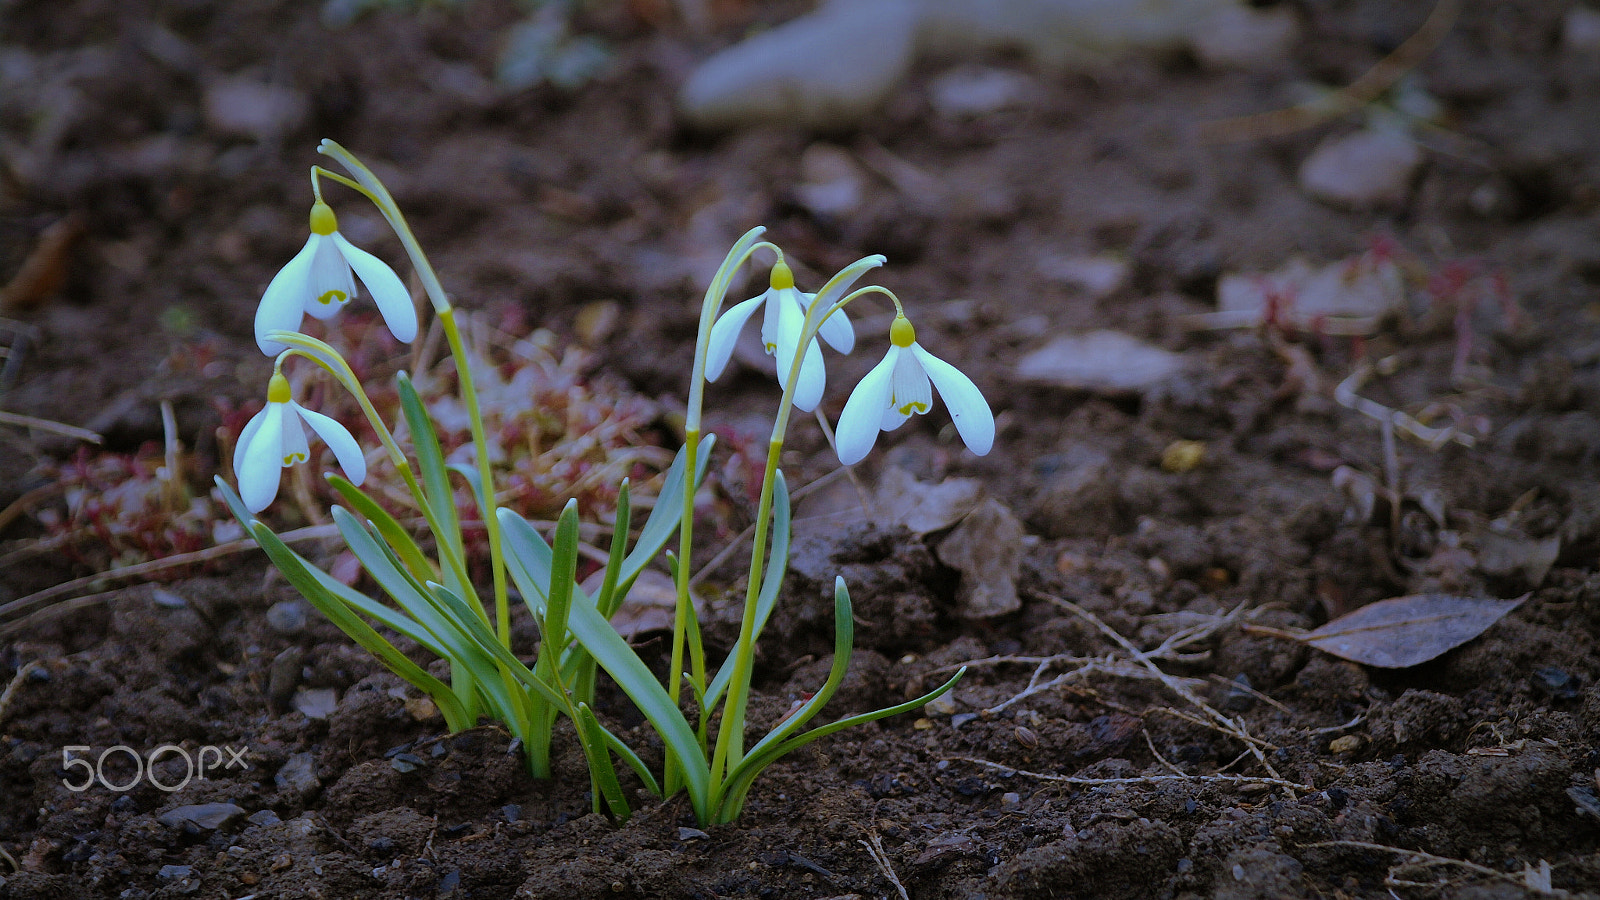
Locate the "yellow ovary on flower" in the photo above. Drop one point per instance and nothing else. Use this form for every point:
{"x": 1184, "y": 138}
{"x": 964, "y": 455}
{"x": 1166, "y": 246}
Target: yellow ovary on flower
{"x": 278, "y": 389}
{"x": 782, "y": 276}
{"x": 901, "y": 334}
{"x": 323, "y": 221}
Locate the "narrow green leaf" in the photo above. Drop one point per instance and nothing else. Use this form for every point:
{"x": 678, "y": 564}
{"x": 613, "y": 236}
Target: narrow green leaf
{"x": 563, "y": 573}
{"x": 430, "y": 459}
{"x": 777, "y": 566}
{"x": 624, "y": 666}
{"x": 300, "y": 576}
{"x": 602, "y": 775}
{"x": 608, "y": 600}
{"x": 394, "y": 534}
{"x": 735, "y": 792}
{"x": 668, "y": 512}
{"x": 627, "y": 755}
{"x": 757, "y": 759}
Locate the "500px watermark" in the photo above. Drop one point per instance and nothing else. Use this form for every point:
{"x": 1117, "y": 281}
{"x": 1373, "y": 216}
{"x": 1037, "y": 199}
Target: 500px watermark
{"x": 125, "y": 760}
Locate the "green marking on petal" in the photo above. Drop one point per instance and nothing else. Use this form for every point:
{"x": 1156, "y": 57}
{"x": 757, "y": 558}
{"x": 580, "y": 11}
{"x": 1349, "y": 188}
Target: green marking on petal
{"x": 914, "y": 406}
{"x": 332, "y": 297}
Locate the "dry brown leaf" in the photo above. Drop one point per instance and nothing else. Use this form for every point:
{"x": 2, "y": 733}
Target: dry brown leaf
{"x": 1407, "y": 631}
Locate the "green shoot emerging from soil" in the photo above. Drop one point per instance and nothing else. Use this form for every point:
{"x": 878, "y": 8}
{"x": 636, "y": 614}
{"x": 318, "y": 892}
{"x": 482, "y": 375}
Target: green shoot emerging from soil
{"x": 436, "y": 602}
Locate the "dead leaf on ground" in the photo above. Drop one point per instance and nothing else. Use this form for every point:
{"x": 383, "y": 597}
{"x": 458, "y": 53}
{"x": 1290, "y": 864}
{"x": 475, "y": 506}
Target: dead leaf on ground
{"x": 1407, "y": 631}
{"x": 923, "y": 507}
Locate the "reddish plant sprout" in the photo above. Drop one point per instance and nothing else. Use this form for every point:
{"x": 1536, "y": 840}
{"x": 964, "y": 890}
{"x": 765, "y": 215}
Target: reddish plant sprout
{"x": 556, "y": 431}
{"x": 123, "y": 508}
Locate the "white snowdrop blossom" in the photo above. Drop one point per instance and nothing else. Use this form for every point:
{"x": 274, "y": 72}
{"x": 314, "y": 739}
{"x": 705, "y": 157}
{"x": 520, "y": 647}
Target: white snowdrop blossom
{"x": 899, "y": 387}
{"x": 275, "y": 439}
{"x": 786, "y": 309}
{"x": 319, "y": 280}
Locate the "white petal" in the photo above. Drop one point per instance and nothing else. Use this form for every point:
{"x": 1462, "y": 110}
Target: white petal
{"x": 772, "y": 326}
{"x": 858, "y": 424}
{"x": 968, "y": 409}
{"x": 835, "y": 329}
{"x": 911, "y": 393}
{"x": 330, "y": 285}
{"x": 785, "y": 333}
{"x": 813, "y": 379}
{"x": 725, "y": 334}
{"x": 257, "y": 462}
{"x": 293, "y": 446}
{"x": 283, "y": 304}
{"x": 339, "y": 440}
{"x": 388, "y": 291}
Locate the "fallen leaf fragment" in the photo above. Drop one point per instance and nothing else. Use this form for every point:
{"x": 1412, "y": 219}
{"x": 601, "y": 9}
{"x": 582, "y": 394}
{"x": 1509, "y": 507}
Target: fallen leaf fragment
{"x": 1106, "y": 362}
{"x": 1407, "y": 631}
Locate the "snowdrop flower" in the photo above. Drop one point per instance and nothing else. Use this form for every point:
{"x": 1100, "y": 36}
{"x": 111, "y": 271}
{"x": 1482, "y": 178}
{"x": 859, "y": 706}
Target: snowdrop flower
{"x": 319, "y": 281}
{"x": 275, "y": 439}
{"x": 899, "y": 386}
{"x": 780, "y": 333}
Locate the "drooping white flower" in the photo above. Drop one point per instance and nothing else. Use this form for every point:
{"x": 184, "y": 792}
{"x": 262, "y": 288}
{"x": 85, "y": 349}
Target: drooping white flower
{"x": 319, "y": 280}
{"x": 275, "y": 439}
{"x": 899, "y": 387}
{"x": 786, "y": 309}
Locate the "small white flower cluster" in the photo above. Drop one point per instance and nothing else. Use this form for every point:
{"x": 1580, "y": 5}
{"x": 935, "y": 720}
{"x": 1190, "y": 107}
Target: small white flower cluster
{"x": 318, "y": 281}
{"x": 321, "y": 279}
{"x": 897, "y": 388}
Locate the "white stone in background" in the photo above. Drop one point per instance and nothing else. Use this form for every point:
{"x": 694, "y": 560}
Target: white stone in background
{"x": 823, "y": 70}
{"x": 1241, "y": 38}
{"x": 972, "y": 91}
{"x": 1580, "y": 30}
{"x": 1362, "y": 170}
{"x": 831, "y": 183}
{"x": 1101, "y": 361}
{"x": 244, "y": 107}
{"x": 830, "y": 68}
{"x": 1059, "y": 32}
{"x": 1096, "y": 276}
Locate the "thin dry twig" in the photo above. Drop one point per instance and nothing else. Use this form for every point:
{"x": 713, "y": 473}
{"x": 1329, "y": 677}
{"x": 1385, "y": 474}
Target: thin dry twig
{"x": 1434, "y": 438}
{"x": 23, "y": 672}
{"x": 1176, "y": 685}
{"x": 140, "y": 570}
{"x": 881, "y": 859}
{"x": 71, "y": 431}
{"x": 1424, "y": 860}
{"x": 1349, "y": 98}
{"x": 1137, "y": 779}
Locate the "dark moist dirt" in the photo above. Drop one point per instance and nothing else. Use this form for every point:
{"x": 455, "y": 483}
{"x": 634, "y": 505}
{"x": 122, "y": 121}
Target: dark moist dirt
{"x": 541, "y": 202}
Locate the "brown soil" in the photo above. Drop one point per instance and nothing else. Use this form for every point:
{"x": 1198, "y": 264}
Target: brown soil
{"x": 536, "y": 204}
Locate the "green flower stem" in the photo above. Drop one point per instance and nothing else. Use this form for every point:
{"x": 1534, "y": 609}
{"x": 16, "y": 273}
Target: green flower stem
{"x": 730, "y": 738}
{"x": 374, "y": 190}
{"x": 480, "y": 440}
{"x": 370, "y": 186}
{"x": 329, "y": 359}
{"x": 683, "y": 637}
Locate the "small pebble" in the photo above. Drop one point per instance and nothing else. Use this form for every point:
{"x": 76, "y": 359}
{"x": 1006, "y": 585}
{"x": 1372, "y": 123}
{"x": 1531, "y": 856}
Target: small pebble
{"x": 298, "y": 774}
{"x": 1556, "y": 683}
{"x": 175, "y": 873}
{"x": 943, "y": 705}
{"x": 692, "y": 834}
{"x": 960, "y": 719}
{"x": 203, "y": 816}
{"x": 286, "y": 616}
{"x": 168, "y": 599}
{"x": 264, "y": 818}
{"x": 1362, "y": 170}
{"x": 1349, "y": 743}
{"x": 1010, "y": 799}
